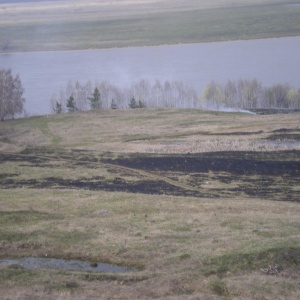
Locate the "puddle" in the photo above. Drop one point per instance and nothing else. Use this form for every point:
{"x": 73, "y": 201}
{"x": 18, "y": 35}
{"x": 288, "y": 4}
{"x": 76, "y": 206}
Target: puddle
{"x": 35, "y": 263}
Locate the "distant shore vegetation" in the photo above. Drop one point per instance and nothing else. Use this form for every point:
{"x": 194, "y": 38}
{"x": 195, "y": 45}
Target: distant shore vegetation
{"x": 240, "y": 94}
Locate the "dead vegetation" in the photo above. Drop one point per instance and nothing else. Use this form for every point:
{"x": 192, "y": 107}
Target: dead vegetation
{"x": 196, "y": 225}
{"x": 152, "y": 131}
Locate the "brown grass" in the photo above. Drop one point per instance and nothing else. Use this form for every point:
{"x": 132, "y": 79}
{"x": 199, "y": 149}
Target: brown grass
{"x": 183, "y": 247}
{"x": 150, "y": 131}
{"x": 171, "y": 238}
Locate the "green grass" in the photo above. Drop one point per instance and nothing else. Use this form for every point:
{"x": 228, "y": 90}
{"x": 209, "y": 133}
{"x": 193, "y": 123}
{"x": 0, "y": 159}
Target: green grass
{"x": 141, "y": 28}
{"x": 218, "y": 286}
{"x": 283, "y": 256}
{"x": 22, "y": 217}
{"x": 19, "y": 276}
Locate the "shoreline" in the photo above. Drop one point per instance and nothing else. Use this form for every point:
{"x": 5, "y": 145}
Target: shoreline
{"x": 149, "y": 46}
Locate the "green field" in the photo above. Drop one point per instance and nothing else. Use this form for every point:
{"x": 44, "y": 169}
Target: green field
{"x": 85, "y": 25}
{"x": 202, "y": 204}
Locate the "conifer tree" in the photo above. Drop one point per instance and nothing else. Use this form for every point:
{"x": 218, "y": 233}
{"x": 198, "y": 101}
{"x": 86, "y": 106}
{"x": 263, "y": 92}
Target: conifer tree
{"x": 133, "y": 104}
{"x": 141, "y": 104}
{"x": 58, "y": 108}
{"x": 71, "y": 104}
{"x": 95, "y": 100}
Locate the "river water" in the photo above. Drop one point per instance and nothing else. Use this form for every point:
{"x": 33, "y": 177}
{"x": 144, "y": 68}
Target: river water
{"x": 271, "y": 61}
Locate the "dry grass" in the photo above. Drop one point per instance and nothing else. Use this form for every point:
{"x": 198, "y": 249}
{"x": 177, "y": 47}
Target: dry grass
{"x": 171, "y": 238}
{"x": 183, "y": 247}
{"x": 150, "y": 131}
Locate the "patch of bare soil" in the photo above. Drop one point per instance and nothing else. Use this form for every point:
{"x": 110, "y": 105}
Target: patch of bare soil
{"x": 267, "y": 175}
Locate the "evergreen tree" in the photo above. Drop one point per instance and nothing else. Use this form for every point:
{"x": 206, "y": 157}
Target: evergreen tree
{"x": 58, "y": 108}
{"x": 133, "y": 104}
{"x": 71, "y": 104}
{"x": 141, "y": 104}
{"x": 95, "y": 101}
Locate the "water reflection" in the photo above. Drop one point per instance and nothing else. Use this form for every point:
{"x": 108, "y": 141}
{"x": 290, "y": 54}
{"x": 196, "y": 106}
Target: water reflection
{"x": 61, "y": 264}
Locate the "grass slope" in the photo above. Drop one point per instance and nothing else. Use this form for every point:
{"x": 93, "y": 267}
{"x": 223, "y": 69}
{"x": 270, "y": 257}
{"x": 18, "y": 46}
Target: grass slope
{"x": 208, "y": 225}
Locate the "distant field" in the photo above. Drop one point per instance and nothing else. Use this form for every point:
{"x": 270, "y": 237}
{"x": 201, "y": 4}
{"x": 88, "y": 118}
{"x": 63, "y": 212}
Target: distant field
{"x": 204, "y": 205}
{"x": 152, "y": 131}
{"x": 93, "y": 24}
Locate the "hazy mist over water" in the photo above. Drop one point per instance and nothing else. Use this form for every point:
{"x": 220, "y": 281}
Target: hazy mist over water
{"x": 271, "y": 61}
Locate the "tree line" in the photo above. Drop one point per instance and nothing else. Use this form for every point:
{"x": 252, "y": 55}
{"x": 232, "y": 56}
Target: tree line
{"x": 244, "y": 94}
{"x": 142, "y": 94}
{"x": 250, "y": 94}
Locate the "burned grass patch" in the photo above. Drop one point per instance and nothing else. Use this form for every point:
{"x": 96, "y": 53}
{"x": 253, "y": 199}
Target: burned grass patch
{"x": 268, "y": 175}
{"x": 7, "y": 175}
{"x": 158, "y": 187}
{"x": 286, "y": 130}
{"x": 284, "y": 137}
{"x": 239, "y": 163}
{"x": 238, "y": 133}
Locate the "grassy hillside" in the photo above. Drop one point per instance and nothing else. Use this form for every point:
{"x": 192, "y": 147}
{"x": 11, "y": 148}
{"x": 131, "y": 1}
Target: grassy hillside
{"x": 62, "y": 25}
{"x": 179, "y": 195}
{"x": 150, "y": 131}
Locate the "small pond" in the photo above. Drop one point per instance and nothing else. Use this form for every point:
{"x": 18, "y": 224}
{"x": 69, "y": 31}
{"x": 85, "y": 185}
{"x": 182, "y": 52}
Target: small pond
{"x": 34, "y": 263}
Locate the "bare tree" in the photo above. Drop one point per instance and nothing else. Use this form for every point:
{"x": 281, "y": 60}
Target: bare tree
{"x": 249, "y": 93}
{"x": 157, "y": 93}
{"x": 269, "y": 98}
{"x": 11, "y": 95}
{"x": 277, "y": 96}
{"x": 281, "y": 95}
{"x": 214, "y": 95}
{"x": 141, "y": 90}
{"x": 56, "y": 105}
{"x": 230, "y": 94}
{"x": 293, "y": 96}
{"x": 53, "y": 101}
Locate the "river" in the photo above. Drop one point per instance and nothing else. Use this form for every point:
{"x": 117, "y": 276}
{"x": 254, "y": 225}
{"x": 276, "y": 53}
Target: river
{"x": 271, "y": 61}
